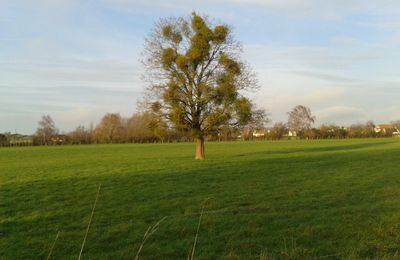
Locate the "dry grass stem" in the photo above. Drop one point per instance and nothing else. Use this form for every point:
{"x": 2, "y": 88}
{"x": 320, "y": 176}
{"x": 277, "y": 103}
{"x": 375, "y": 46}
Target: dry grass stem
{"x": 150, "y": 231}
{"x": 52, "y": 247}
{"x": 90, "y": 221}
{"x": 197, "y": 231}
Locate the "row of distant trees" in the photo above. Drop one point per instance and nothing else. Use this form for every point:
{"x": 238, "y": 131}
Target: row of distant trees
{"x": 300, "y": 121}
{"x": 113, "y": 128}
{"x": 150, "y": 127}
{"x": 329, "y": 131}
{"x": 141, "y": 127}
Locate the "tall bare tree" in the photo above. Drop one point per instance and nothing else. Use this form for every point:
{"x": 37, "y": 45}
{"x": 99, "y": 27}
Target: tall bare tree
{"x": 46, "y": 130}
{"x": 198, "y": 80}
{"x": 300, "y": 119}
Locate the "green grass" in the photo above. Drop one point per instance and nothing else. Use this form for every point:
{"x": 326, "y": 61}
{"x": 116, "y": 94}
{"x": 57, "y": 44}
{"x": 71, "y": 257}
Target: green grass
{"x": 286, "y": 199}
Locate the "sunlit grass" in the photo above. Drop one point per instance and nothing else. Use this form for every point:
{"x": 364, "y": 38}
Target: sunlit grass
{"x": 264, "y": 199}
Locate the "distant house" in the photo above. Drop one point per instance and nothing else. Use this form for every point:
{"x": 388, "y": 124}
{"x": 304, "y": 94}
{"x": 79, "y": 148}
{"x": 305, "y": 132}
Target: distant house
{"x": 386, "y": 129}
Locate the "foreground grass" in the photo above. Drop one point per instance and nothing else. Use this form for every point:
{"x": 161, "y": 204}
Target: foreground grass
{"x": 289, "y": 199}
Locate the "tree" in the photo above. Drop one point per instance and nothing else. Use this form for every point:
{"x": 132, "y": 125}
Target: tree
{"x": 369, "y": 130}
{"x": 157, "y": 124}
{"x": 197, "y": 77}
{"x": 46, "y": 130}
{"x": 311, "y": 133}
{"x": 143, "y": 127}
{"x": 362, "y": 130}
{"x": 80, "y": 135}
{"x": 110, "y": 129}
{"x": 257, "y": 122}
{"x": 4, "y": 140}
{"x": 356, "y": 130}
{"x": 300, "y": 119}
{"x": 396, "y": 124}
{"x": 332, "y": 131}
{"x": 278, "y": 131}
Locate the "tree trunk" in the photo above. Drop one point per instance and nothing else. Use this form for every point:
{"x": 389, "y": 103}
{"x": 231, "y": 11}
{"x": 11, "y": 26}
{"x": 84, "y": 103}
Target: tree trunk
{"x": 199, "y": 148}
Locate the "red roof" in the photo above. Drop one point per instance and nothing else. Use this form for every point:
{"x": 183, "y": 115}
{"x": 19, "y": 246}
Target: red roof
{"x": 385, "y": 126}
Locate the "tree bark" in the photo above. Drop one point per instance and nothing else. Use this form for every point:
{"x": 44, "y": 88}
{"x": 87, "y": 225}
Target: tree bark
{"x": 199, "y": 148}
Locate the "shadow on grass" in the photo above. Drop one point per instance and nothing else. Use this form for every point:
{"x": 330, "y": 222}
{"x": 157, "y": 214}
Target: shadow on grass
{"x": 328, "y": 148}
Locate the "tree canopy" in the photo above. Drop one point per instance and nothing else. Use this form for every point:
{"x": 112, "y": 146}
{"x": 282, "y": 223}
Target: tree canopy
{"x": 198, "y": 80}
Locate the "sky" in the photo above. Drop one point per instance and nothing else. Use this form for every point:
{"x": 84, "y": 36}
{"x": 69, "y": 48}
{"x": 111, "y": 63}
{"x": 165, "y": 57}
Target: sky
{"x": 77, "y": 60}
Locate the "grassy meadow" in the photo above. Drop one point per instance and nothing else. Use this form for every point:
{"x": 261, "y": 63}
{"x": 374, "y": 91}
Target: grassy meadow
{"x": 325, "y": 199}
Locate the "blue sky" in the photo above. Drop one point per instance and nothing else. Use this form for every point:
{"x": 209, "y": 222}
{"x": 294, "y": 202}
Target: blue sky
{"x": 77, "y": 60}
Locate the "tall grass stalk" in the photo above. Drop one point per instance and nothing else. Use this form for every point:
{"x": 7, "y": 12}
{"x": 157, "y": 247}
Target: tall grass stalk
{"x": 90, "y": 221}
{"x": 52, "y": 247}
{"x": 150, "y": 231}
{"x": 191, "y": 257}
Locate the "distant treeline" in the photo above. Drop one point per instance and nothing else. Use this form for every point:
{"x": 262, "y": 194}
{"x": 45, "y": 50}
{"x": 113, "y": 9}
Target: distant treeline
{"x": 331, "y": 131}
{"x": 147, "y": 127}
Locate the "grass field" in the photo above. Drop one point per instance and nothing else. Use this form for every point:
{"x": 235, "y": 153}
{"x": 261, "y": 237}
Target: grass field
{"x": 262, "y": 200}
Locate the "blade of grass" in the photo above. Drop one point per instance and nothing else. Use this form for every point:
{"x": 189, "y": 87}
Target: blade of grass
{"x": 150, "y": 231}
{"x": 197, "y": 231}
{"x": 90, "y": 221}
{"x": 52, "y": 247}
